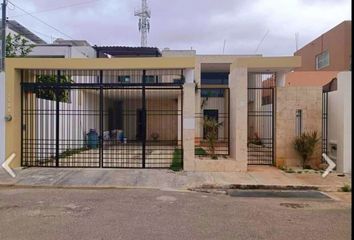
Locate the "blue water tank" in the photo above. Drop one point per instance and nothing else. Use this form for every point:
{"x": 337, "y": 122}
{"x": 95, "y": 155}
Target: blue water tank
{"x": 92, "y": 139}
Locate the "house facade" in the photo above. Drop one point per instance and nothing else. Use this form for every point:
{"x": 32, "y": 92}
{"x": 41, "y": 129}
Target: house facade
{"x": 146, "y": 112}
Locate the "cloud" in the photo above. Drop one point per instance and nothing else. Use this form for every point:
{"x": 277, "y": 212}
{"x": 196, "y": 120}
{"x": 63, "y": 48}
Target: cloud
{"x": 201, "y": 24}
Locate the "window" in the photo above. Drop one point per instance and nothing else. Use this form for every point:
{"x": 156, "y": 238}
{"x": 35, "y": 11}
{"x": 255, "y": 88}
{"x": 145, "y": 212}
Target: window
{"x": 124, "y": 79}
{"x": 322, "y": 60}
{"x": 298, "y": 122}
{"x": 215, "y": 78}
{"x": 151, "y": 79}
{"x": 211, "y": 92}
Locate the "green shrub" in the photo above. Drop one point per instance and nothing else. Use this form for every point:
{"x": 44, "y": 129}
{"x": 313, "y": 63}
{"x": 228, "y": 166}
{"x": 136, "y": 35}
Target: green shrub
{"x": 346, "y": 188}
{"x": 63, "y": 95}
{"x": 305, "y": 145}
{"x": 176, "y": 164}
{"x": 200, "y": 151}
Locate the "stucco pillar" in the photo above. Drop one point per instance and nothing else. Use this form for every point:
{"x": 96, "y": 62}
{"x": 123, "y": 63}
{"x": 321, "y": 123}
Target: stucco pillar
{"x": 238, "y": 115}
{"x": 188, "y": 126}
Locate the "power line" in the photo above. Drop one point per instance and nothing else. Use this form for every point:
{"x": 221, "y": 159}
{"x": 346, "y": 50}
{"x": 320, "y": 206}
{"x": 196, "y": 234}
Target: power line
{"x": 57, "y": 8}
{"x": 40, "y": 20}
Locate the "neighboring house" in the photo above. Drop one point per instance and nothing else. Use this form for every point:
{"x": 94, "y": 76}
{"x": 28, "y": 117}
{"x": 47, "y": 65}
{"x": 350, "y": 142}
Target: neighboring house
{"x": 144, "y": 112}
{"x": 329, "y": 52}
{"x": 13, "y": 27}
{"x": 60, "y": 48}
{"x": 64, "y": 49}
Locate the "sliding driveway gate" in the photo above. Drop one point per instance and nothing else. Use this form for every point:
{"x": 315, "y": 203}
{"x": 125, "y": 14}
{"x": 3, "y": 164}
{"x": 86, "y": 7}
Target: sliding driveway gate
{"x": 107, "y": 118}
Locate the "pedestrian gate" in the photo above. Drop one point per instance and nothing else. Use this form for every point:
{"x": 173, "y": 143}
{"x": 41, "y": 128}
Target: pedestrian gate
{"x": 261, "y": 109}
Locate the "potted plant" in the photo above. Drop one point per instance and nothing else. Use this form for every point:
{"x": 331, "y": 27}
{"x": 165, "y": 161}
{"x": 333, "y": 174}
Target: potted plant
{"x": 155, "y": 136}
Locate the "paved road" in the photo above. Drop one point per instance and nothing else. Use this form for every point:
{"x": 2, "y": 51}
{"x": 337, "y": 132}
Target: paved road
{"x": 153, "y": 214}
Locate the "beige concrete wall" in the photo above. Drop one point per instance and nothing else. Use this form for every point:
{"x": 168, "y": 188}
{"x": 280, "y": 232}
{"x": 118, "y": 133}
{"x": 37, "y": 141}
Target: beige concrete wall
{"x": 288, "y": 100}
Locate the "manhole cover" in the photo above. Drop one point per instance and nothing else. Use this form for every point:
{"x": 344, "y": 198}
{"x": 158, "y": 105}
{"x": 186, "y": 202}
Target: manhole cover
{"x": 294, "y": 205}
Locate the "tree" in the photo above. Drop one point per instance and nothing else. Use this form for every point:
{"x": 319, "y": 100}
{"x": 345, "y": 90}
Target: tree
{"x": 17, "y": 46}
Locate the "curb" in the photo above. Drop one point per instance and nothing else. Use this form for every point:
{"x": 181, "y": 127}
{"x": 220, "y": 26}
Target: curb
{"x": 201, "y": 188}
{"x": 87, "y": 187}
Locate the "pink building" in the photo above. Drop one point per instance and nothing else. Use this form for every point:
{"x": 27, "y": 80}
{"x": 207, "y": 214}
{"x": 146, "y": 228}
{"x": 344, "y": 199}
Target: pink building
{"x": 329, "y": 52}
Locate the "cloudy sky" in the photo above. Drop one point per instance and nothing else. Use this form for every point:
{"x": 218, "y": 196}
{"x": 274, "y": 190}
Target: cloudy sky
{"x": 265, "y": 27}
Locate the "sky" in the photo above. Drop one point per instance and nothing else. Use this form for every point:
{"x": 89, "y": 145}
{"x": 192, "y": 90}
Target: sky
{"x": 265, "y": 27}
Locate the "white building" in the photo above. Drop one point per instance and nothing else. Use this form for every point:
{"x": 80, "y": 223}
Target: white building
{"x": 60, "y": 48}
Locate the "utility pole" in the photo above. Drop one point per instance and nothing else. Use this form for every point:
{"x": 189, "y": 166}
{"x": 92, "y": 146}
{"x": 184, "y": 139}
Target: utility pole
{"x": 3, "y": 35}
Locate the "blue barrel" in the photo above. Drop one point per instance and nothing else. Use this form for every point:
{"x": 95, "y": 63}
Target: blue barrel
{"x": 120, "y": 136}
{"x": 92, "y": 139}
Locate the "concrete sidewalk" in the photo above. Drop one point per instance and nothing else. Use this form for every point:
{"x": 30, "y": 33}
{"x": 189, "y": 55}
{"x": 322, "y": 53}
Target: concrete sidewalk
{"x": 257, "y": 176}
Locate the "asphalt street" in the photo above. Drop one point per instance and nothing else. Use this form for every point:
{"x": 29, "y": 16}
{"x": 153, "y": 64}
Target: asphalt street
{"x": 153, "y": 214}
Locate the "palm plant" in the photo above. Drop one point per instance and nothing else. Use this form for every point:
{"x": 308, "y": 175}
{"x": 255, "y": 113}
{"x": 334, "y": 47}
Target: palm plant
{"x": 211, "y": 126}
{"x": 305, "y": 145}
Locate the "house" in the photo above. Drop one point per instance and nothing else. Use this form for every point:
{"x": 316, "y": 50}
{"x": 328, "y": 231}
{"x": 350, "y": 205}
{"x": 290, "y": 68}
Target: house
{"x": 329, "y": 52}
{"x": 326, "y": 63}
{"x": 145, "y": 112}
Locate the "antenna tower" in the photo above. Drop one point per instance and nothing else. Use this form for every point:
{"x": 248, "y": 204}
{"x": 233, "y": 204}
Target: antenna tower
{"x": 144, "y": 15}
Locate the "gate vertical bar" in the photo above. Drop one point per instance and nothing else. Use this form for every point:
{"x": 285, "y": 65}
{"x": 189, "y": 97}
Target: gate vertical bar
{"x": 273, "y": 124}
{"x": 182, "y": 126}
{"x": 228, "y": 121}
{"x": 57, "y": 126}
{"x": 101, "y": 119}
{"x": 143, "y": 119}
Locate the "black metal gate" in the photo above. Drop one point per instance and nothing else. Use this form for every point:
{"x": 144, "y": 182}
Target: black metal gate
{"x": 261, "y": 109}
{"x": 324, "y": 123}
{"x": 110, "y": 118}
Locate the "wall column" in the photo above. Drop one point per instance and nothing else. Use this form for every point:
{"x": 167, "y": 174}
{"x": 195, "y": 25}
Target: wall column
{"x": 238, "y": 115}
{"x": 188, "y": 126}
